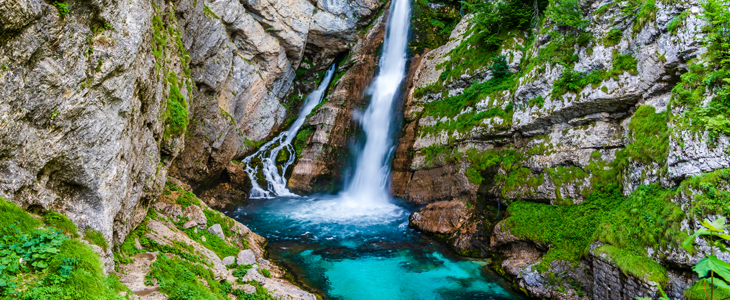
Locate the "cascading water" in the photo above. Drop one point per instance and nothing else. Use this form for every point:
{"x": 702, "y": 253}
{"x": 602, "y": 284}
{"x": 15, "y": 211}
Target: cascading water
{"x": 369, "y": 184}
{"x": 357, "y": 245}
{"x": 268, "y": 153}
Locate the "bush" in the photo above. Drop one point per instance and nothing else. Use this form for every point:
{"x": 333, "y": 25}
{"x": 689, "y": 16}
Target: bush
{"x": 62, "y": 8}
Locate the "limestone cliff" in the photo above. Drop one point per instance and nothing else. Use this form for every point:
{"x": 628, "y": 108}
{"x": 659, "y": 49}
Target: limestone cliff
{"x": 521, "y": 147}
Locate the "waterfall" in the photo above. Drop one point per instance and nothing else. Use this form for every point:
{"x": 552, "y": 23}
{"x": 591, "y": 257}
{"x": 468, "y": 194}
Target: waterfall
{"x": 369, "y": 184}
{"x": 267, "y": 154}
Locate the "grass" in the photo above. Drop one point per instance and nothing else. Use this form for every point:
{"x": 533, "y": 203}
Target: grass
{"x": 649, "y": 139}
{"x": 180, "y": 279}
{"x": 214, "y": 217}
{"x": 54, "y": 219}
{"x": 55, "y": 266}
{"x": 613, "y": 37}
{"x": 574, "y": 82}
{"x": 96, "y": 238}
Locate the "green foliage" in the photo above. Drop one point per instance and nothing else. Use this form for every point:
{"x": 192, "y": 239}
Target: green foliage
{"x": 492, "y": 24}
{"x": 185, "y": 198}
{"x": 637, "y": 265}
{"x": 676, "y": 22}
{"x": 62, "y": 8}
{"x": 241, "y": 271}
{"x": 176, "y": 114}
{"x": 713, "y": 272}
{"x": 708, "y": 76}
{"x": 538, "y": 101}
{"x": 649, "y": 139}
{"x": 713, "y": 193}
{"x": 432, "y": 27}
{"x": 51, "y": 265}
{"x": 260, "y": 294}
{"x": 54, "y": 219}
{"x": 567, "y": 13}
{"x": 96, "y": 237}
{"x": 180, "y": 279}
{"x": 613, "y": 37}
{"x": 212, "y": 242}
{"x": 569, "y": 229}
{"x": 12, "y": 215}
{"x": 646, "y": 12}
{"x": 266, "y": 273}
{"x": 214, "y": 217}
{"x": 647, "y": 217}
{"x": 300, "y": 141}
{"x": 573, "y": 81}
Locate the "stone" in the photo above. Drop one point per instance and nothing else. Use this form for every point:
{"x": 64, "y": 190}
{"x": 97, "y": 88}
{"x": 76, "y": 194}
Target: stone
{"x": 229, "y": 260}
{"x": 190, "y": 224}
{"x": 249, "y": 289}
{"x": 246, "y": 257}
{"x": 217, "y": 230}
{"x": 253, "y": 275}
{"x": 195, "y": 213}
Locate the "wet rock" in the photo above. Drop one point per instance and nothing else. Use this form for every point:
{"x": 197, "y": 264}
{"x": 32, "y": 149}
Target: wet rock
{"x": 440, "y": 217}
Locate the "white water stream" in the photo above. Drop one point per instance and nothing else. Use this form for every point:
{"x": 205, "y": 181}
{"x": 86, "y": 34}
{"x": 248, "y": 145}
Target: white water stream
{"x": 369, "y": 184}
{"x": 366, "y": 200}
{"x": 267, "y": 154}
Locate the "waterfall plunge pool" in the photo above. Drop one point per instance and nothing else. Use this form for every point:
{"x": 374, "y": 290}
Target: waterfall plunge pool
{"x": 348, "y": 251}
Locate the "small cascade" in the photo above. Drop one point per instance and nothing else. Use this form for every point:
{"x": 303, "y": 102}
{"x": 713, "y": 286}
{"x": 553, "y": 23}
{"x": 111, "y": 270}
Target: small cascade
{"x": 264, "y": 160}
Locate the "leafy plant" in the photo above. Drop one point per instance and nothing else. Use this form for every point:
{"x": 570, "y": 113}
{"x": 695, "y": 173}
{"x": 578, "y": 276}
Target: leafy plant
{"x": 62, "y": 8}
{"x": 713, "y": 272}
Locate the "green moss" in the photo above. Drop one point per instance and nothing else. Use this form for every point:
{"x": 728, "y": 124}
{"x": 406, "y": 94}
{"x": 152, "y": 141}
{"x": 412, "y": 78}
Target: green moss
{"x": 432, "y": 27}
{"x": 300, "y": 141}
{"x": 613, "y": 37}
{"x": 702, "y": 289}
{"x": 649, "y": 139}
{"x": 54, "y": 219}
{"x": 96, "y": 238}
{"x": 603, "y": 9}
{"x": 210, "y": 13}
{"x": 569, "y": 229}
{"x": 639, "y": 266}
{"x": 676, "y": 22}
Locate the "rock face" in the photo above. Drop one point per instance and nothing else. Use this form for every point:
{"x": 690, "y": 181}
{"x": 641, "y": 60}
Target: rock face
{"x": 101, "y": 101}
{"x": 321, "y": 161}
{"x": 470, "y": 149}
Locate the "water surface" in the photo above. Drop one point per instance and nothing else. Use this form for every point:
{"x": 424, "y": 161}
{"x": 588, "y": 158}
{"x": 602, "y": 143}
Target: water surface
{"x": 347, "y": 250}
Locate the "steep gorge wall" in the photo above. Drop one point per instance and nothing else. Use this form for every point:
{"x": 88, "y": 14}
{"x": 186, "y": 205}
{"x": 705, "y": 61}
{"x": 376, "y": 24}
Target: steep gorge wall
{"x": 518, "y": 162}
{"x": 102, "y": 99}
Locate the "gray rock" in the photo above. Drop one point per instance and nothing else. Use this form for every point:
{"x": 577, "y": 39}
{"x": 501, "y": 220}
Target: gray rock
{"x": 195, "y": 213}
{"x": 217, "y": 230}
{"x": 246, "y": 257}
{"x": 190, "y": 224}
{"x": 229, "y": 260}
{"x": 253, "y": 275}
{"x": 249, "y": 289}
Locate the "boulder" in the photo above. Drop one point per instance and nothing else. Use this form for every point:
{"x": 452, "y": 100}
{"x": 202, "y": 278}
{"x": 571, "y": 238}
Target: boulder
{"x": 195, "y": 213}
{"x": 217, "y": 230}
{"x": 246, "y": 257}
{"x": 229, "y": 260}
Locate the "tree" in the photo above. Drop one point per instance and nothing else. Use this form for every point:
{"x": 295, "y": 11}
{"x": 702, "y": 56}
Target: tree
{"x": 567, "y": 13}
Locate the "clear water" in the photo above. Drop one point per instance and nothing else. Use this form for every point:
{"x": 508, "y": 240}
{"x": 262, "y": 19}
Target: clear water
{"x": 347, "y": 253}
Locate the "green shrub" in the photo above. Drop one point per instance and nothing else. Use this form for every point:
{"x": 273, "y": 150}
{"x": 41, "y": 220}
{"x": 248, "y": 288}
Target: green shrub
{"x": 62, "y": 8}
{"x": 266, "y": 273}
{"x": 613, "y": 37}
{"x": 676, "y": 22}
{"x": 538, "y": 101}
{"x": 567, "y": 13}
{"x": 637, "y": 265}
{"x": 649, "y": 139}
